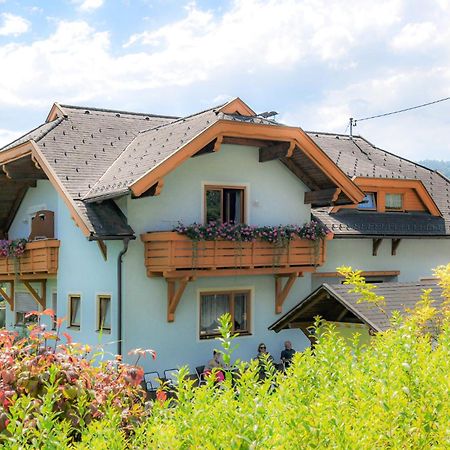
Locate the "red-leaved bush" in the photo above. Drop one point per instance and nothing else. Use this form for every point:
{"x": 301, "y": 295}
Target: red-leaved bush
{"x": 34, "y": 365}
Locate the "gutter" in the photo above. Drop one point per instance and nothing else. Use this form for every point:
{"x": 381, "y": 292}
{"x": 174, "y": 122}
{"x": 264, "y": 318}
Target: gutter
{"x": 126, "y": 241}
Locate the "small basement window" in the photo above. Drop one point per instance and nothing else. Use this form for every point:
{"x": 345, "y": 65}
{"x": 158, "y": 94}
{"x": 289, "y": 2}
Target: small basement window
{"x": 104, "y": 313}
{"x": 23, "y": 304}
{"x": 393, "y": 202}
{"x": 215, "y": 304}
{"x": 224, "y": 204}
{"x": 74, "y": 311}
{"x": 368, "y": 202}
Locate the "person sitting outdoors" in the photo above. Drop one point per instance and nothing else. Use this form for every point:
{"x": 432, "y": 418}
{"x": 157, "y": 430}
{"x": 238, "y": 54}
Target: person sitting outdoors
{"x": 287, "y": 354}
{"x": 216, "y": 363}
{"x": 264, "y": 359}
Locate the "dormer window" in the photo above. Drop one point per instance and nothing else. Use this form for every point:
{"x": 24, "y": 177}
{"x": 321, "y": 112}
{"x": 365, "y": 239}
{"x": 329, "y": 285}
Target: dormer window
{"x": 224, "y": 204}
{"x": 394, "y": 202}
{"x": 369, "y": 202}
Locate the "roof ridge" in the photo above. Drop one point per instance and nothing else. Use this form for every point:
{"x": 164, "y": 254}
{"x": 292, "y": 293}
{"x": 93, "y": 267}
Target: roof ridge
{"x": 179, "y": 119}
{"x": 329, "y": 133}
{"x": 55, "y": 123}
{"x": 131, "y": 113}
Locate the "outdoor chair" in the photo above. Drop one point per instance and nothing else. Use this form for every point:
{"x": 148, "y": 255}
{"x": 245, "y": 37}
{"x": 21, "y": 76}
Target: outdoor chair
{"x": 152, "y": 381}
{"x": 171, "y": 375}
{"x": 200, "y": 375}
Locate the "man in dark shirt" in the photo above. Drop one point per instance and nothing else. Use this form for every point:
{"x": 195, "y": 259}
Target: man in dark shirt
{"x": 287, "y": 354}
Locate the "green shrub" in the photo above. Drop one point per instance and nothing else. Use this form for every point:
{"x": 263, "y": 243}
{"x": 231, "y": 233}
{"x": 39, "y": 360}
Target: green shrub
{"x": 393, "y": 393}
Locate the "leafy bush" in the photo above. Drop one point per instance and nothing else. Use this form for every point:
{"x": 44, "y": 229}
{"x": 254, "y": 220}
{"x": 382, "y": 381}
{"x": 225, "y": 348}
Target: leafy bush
{"x": 60, "y": 389}
{"x": 393, "y": 393}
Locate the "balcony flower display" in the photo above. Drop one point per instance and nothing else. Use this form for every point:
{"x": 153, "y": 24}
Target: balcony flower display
{"x": 229, "y": 231}
{"x": 12, "y": 248}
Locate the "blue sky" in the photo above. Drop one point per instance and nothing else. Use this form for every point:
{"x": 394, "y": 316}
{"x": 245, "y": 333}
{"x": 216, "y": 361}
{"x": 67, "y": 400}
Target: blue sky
{"x": 316, "y": 62}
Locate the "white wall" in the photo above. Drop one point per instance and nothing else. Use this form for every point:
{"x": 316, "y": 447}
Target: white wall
{"x": 415, "y": 258}
{"x": 275, "y": 196}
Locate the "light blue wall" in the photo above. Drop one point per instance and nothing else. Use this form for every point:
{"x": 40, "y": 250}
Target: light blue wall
{"x": 415, "y": 258}
{"x": 82, "y": 269}
{"x": 275, "y": 196}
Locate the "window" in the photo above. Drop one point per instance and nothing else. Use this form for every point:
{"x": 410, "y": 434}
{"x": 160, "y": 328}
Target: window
{"x": 23, "y": 304}
{"x": 225, "y": 204}
{"x": 394, "y": 202}
{"x": 215, "y": 304}
{"x": 368, "y": 202}
{"x": 74, "y": 311}
{"x": 104, "y": 313}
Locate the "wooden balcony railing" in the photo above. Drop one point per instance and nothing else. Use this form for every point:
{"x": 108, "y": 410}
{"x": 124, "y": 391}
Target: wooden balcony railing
{"x": 171, "y": 254}
{"x": 39, "y": 260}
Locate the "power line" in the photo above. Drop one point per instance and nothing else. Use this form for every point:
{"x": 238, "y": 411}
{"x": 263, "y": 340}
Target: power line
{"x": 352, "y": 122}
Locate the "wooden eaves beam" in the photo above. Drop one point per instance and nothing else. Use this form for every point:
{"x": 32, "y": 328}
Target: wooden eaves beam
{"x": 39, "y": 298}
{"x": 8, "y": 297}
{"x": 322, "y": 197}
{"x": 394, "y": 246}
{"x": 281, "y": 292}
{"x": 275, "y": 151}
{"x": 376, "y": 242}
{"x": 174, "y": 294}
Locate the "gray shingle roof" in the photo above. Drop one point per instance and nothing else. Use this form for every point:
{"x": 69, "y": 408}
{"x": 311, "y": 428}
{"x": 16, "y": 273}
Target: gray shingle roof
{"x": 147, "y": 150}
{"x": 37, "y": 134}
{"x": 398, "y": 297}
{"x": 359, "y": 158}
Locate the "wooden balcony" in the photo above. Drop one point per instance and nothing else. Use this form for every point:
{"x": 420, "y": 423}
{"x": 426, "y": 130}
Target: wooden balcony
{"x": 40, "y": 261}
{"x": 180, "y": 260}
{"x": 173, "y": 255}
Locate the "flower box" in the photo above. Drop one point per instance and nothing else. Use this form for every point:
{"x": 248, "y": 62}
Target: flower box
{"x": 40, "y": 257}
{"x": 169, "y": 252}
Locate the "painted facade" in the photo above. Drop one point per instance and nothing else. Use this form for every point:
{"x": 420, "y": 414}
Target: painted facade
{"x": 287, "y": 179}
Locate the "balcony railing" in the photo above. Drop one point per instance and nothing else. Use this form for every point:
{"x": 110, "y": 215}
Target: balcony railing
{"x": 40, "y": 259}
{"x": 172, "y": 254}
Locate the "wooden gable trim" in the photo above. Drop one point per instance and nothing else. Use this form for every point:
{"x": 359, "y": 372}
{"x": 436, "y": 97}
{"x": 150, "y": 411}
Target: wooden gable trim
{"x": 31, "y": 148}
{"x": 256, "y": 131}
{"x": 365, "y": 273}
{"x": 368, "y": 184}
{"x": 51, "y": 175}
{"x": 55, "y": 112}
{"x": 237, "y": 106}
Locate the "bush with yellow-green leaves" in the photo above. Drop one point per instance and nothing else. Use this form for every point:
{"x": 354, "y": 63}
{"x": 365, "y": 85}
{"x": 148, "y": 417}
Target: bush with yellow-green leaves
{"x": 392, "y": 393}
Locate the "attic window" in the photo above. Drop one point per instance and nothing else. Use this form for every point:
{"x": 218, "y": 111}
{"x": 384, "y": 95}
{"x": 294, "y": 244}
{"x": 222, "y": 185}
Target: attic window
{"x": 368, "y": 202}
{"x": 394, "y": 202}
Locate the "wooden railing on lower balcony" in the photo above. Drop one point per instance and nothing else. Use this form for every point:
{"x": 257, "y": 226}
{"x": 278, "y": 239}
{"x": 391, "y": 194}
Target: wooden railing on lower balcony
{"x": 40, "y": 260}
{"x": 171, "y": 254}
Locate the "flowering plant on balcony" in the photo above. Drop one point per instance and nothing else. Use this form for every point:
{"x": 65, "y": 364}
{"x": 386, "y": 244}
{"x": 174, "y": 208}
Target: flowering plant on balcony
{"x": 12, "y": 248}
{"x": 230, "y": 231}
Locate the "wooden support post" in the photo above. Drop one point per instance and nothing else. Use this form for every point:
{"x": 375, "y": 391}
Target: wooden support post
{"x": 174, "y": 294}
{"x": 9, "y": 298}
{"x": 40, "y": 299}
{"x": 376, "y": 242}
{"x": 103, "y": 249}
{"x": 394, "y": 245}
{"x": 281, "y": 293}
{"x": 218, "y": 143}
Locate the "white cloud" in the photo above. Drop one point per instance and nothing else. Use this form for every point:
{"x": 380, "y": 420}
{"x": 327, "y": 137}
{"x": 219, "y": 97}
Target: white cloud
{"x": 7, "y": 136}
{"x": 415, "y": 35}
{"x": 76, "y": 63}
{"x": 409, "y": 134}
{"x": 89, "y": 5}
{"x": 12, "y": 25}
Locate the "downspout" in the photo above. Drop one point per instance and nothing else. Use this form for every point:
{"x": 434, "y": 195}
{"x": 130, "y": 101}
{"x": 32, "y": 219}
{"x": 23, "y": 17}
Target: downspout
{"x": 126, "y": 241}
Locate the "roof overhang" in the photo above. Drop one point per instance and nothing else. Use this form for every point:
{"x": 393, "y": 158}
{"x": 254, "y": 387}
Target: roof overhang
{"x": 302, "y": 312}
{"x": 297, "y": 139}
{"x": 31, "y": 150}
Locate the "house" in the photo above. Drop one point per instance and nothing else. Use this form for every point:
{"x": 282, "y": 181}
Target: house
{"x": 100, "y": 193}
